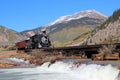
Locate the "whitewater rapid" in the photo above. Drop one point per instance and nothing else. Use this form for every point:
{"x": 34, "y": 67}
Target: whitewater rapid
{"x": 84, "y": 71}
{"x": 62, "y": 71}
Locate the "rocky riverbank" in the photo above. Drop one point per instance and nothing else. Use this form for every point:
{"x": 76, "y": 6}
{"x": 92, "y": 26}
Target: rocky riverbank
{"x": 33, "y": 59}
{"x": 6, "y": 62}
{"x": 40, "y": 59}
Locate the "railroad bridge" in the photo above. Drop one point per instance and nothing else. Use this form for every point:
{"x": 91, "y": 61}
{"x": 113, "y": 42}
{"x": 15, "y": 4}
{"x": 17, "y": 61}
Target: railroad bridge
{"x": 88, "y": 50}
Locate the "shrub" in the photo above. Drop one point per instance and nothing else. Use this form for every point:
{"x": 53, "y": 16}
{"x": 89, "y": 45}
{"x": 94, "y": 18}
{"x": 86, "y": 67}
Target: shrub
{"x": 11, "y": 47}
{"x": 110, "y": 49}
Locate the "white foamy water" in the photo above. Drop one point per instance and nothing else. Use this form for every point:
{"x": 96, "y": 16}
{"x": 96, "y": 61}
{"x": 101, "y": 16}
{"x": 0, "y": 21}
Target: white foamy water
{"x": 18, "y": 60}
{"x": 61, "y": 71}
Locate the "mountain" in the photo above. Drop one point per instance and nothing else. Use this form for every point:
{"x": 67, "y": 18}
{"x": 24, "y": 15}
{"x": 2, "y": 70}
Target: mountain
{"x": 32, "y": 32}
{"x": 8, "y": 36}
{"x": 108, "y": 32}
{"x": 69, "y": 27}
{"x": 88, "y": 17}
{"x": 82, "y": 14}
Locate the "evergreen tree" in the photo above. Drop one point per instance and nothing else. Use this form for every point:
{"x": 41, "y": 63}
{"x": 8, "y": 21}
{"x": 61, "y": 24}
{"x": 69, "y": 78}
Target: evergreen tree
{"x": 113, "y": 18}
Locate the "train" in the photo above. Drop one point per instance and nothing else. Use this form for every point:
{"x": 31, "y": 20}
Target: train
{"x": 36, "y": 41}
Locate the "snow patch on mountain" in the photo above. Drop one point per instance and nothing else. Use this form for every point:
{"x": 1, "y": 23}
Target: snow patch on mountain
{"x": 87, "y": 13}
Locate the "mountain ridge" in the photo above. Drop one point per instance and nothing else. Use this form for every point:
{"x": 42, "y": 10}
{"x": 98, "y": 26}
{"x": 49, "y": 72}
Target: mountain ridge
{"x": 78, "y": 15}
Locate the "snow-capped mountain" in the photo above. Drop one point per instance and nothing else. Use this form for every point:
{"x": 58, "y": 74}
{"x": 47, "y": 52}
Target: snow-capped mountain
{"x": 87, "y": 13}
{"x": 67, "y": 28}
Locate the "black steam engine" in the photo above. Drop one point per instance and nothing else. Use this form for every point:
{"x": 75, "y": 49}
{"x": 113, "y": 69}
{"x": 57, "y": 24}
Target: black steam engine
{"x": 38, "y": 41}
{"x": 34, "y": 42}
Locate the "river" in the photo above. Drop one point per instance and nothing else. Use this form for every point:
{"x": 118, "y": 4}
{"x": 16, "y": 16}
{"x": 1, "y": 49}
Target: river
{"x": 62, "y": 70}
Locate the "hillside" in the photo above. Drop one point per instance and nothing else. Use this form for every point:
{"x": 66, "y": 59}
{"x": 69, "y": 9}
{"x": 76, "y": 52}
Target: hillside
{"x": 8, "y": 36}
{"x": 108, "y": 32}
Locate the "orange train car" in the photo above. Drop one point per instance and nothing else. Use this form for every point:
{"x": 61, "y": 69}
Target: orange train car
{"x": 21, "y": 45}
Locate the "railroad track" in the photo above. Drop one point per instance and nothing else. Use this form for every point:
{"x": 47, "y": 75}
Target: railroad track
{"x": 87, "y": 50}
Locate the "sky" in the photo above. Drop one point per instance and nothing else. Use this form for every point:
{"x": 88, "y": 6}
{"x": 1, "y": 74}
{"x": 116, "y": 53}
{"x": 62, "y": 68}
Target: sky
{"x": 21, "y": 15}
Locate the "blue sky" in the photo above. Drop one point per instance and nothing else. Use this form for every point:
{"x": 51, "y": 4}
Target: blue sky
{"x": 22, "y": 15}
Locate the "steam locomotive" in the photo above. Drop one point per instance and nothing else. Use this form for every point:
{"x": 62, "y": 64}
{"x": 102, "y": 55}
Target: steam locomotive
{"x": 34, "y": 42}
